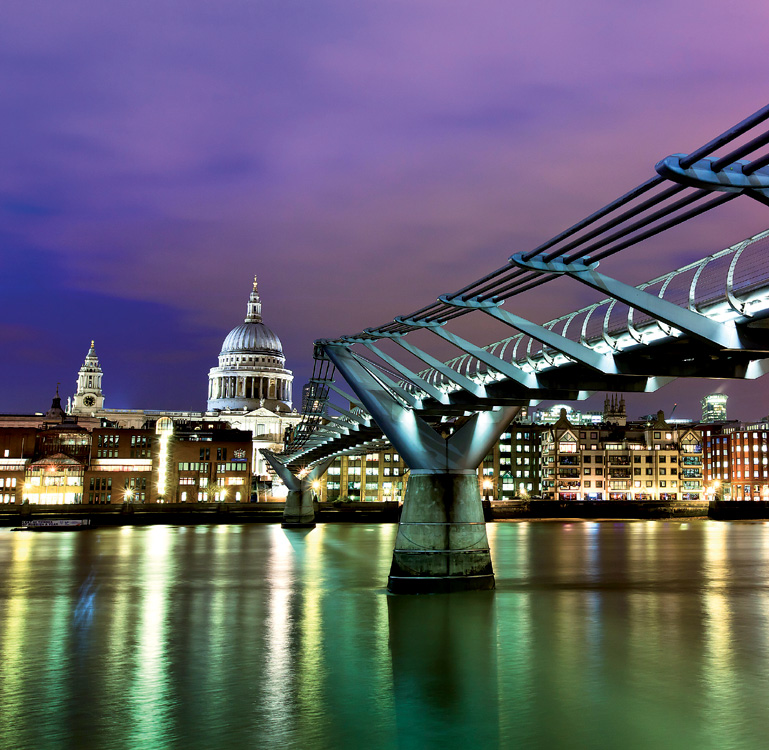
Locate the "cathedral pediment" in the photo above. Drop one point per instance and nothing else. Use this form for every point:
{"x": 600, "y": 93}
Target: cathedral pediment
{"x": 263, "y": 412}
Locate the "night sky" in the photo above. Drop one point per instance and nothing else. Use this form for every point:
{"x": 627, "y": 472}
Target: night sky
{"x": 360, "y": 157}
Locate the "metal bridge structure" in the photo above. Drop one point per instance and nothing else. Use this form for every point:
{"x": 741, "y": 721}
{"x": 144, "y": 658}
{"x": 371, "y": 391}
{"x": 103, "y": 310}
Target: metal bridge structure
{"x": 707, "y": 319}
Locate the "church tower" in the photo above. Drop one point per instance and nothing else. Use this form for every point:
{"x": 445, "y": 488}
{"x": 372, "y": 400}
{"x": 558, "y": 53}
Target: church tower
{"x": 89, "y": 397}
{"x": 614, "y": 411}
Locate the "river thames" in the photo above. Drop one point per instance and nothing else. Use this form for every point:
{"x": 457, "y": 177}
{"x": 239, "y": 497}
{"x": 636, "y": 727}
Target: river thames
{"x": 599, "y": 635}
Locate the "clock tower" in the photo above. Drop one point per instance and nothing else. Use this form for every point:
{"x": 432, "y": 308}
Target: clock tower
{"x": 89, "y": 397}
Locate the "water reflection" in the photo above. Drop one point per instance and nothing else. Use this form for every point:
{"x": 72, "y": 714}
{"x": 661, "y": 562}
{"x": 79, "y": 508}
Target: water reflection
{"x": 444, "y": 662}
{"x": 648, "y": 634}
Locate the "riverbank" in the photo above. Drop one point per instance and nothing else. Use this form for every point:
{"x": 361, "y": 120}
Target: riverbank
{"x": 146, "y": 514}
{"x": 613, "y": 509}
{"x": 135, "y": 514}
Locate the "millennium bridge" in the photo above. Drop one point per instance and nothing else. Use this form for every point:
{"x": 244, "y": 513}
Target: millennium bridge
{"x": 707, "y": 319}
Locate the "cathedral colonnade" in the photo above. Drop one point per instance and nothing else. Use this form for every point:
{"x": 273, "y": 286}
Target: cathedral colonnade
{"x": 250, "y": 387}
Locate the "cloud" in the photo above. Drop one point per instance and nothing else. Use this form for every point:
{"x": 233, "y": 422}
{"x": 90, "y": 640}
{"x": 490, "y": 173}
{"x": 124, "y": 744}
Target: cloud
{"x": 361, "y": 157}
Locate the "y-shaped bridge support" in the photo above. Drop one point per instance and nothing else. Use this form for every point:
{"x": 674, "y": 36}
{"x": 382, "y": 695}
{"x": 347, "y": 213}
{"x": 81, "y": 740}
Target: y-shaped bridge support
{"x": 298, "y": 512}
{"x": 441, "y": 544}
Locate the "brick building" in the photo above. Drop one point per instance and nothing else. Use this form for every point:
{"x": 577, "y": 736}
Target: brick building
{"x": 63, "y": 462}
{"x": 736, "y": 461}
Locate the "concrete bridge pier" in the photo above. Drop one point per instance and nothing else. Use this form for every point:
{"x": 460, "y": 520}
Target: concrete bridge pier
{"x": 298, "y": 512}
{"x": 441, "y": 544}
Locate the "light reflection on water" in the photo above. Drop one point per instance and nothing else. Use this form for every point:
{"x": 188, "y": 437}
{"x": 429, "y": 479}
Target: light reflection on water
{"x": 599, "y": 635}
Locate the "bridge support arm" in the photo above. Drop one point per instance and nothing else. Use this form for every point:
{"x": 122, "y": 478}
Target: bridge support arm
{"x": 441, "y": 543}
{"x": 721, "y": 334}
{"x": 418, "y": 381}
{"x": 351, "y": 415}
{"x": 602, "y": 362}
{"x": 736, "y": 177}
{"x": 415, "y": 440}
{"x": 509, "y": 370}
{"x": 451, "y": 375}
{"x": 299, "y": 511}
{"x": 346, "y": 427}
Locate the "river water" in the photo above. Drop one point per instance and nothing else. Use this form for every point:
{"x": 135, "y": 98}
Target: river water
{"x": 599, "y": 635}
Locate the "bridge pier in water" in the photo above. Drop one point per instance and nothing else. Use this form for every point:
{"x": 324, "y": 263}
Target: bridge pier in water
{"x": 298, "y": 512}
{"x": 441, "y": 544}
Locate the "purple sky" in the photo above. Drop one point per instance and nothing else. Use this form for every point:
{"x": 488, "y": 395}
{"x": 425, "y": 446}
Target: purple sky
{"x": 361, "y": 157}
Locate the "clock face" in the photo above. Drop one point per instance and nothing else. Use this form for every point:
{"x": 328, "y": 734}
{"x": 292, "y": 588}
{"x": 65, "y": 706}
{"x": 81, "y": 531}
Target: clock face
{"x": 89, "y": 400}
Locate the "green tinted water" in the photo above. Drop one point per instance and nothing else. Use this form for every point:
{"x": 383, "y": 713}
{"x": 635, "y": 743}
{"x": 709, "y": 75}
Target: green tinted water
{"x": 611, "y": 635}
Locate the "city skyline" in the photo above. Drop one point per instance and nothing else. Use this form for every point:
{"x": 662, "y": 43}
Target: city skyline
{"x": 361, "y": 160}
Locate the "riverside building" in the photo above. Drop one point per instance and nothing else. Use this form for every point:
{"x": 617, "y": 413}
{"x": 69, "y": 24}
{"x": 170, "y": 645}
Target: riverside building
{"x": 737, "y": 461}
{"x": 639, "y": 462}
{"x": 513, "y": 469}
{"x": 379, "y": 476}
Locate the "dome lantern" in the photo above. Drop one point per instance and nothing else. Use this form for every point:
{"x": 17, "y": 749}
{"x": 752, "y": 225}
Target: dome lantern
{"x": 254, "y": 314}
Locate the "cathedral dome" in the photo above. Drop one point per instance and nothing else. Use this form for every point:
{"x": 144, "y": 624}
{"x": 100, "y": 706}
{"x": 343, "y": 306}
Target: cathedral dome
{"x": 254, "y": 338}
{"x": 251, "y": 372}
